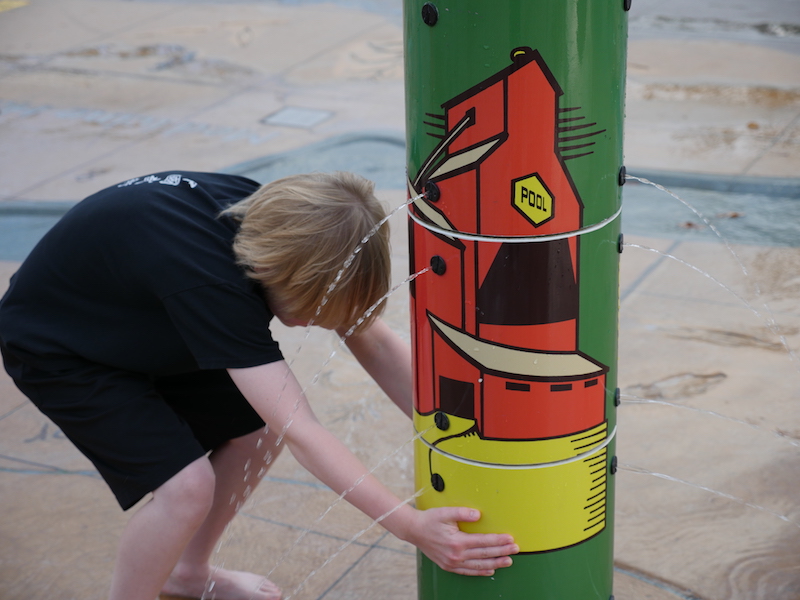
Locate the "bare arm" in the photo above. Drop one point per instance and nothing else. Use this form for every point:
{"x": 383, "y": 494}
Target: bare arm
{"x": 387, "y": 358}
{"x": 276, "y": 395}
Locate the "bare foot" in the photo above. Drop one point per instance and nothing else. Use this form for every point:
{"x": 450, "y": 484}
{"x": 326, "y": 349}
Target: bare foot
{"x": 222, "y": 585}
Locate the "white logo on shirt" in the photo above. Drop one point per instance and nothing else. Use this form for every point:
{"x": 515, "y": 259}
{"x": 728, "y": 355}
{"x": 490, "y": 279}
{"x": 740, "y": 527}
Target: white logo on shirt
{"x": 173, "y": 179}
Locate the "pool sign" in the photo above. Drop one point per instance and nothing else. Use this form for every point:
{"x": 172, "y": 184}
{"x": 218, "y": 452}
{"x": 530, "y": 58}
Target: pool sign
{"x": 531, "y": 197}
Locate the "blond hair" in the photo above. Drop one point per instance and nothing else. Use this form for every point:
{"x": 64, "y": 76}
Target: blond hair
{"x": 311, "y": 242}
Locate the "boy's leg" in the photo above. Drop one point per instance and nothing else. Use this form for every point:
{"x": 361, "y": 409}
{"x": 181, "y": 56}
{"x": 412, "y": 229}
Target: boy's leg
{"x": 193, "y": 572}
{"x": 158, "y": 532}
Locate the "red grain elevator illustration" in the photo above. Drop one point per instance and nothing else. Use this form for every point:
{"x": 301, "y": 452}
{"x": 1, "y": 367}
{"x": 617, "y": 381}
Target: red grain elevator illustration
{"x": 506, "y": 403}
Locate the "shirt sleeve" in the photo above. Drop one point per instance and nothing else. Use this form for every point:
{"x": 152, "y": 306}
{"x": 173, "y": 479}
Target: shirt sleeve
{"x": 224, "y": 326}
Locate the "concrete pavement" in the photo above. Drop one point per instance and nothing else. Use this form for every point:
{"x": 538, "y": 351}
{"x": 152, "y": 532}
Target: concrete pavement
{"x": 93, "y": 92}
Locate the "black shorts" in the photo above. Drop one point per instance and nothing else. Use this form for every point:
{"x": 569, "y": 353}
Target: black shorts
{"x": 138, "y": 431}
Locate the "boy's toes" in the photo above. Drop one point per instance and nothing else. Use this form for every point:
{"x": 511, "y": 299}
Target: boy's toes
{"x": 224, "y": 585}
{"x": 271, "y": 591}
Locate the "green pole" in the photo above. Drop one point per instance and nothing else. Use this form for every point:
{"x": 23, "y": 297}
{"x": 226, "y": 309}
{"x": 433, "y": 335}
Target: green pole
{"x": 514, "y": 113}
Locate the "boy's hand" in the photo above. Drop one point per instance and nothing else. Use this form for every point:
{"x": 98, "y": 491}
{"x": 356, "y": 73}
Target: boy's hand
{"x": 437, "y": 535}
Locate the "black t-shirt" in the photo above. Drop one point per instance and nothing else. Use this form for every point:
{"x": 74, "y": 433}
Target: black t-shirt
{"x": 142, "y": 277}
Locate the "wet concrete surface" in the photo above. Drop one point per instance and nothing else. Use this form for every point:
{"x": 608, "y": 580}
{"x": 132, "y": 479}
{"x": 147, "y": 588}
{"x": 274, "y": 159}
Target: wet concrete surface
{"x": 93, "y": 92}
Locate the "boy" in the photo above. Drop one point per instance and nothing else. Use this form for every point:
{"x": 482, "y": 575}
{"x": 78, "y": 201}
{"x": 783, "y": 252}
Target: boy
{"x": 139, "y": 325}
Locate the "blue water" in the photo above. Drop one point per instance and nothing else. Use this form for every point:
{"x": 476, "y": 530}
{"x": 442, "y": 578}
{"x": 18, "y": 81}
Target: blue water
{"x": 754, "y": 219}
{"x": 763, "y": 219}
